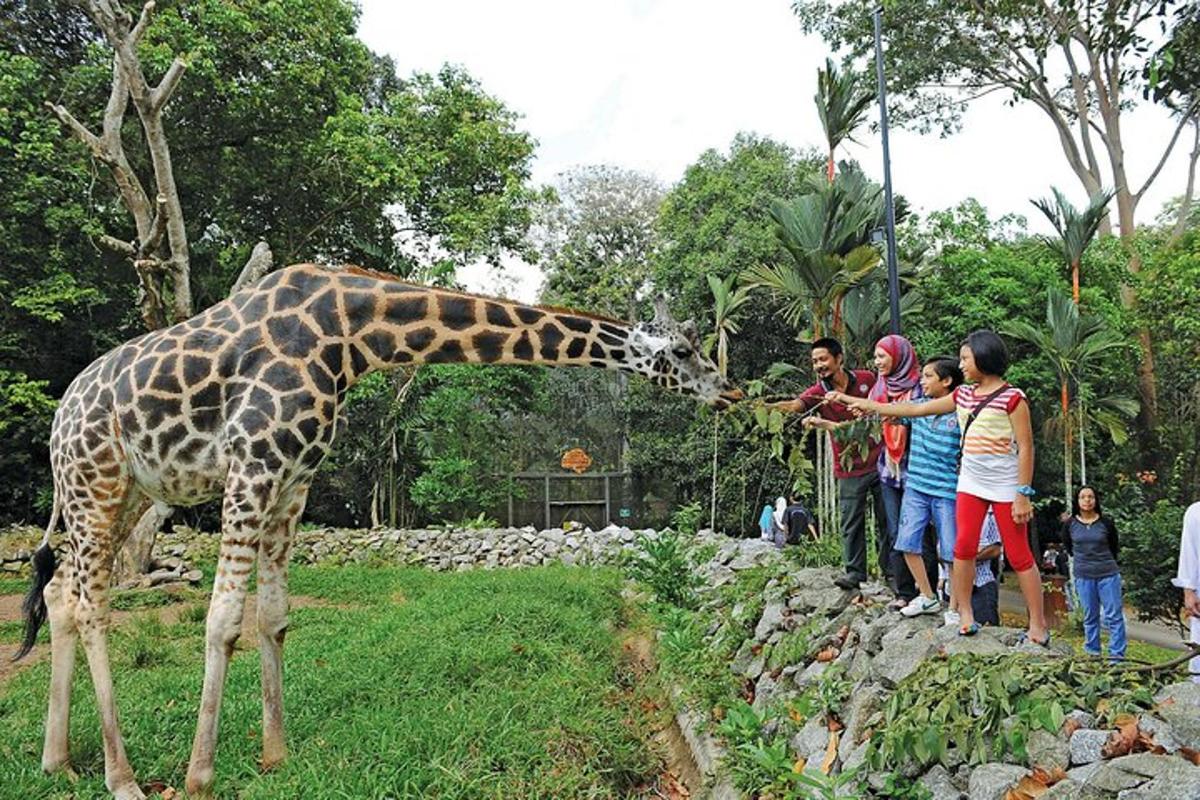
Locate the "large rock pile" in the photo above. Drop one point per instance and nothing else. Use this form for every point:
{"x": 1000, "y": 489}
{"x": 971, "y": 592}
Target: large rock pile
{"x": 874, "y": 650}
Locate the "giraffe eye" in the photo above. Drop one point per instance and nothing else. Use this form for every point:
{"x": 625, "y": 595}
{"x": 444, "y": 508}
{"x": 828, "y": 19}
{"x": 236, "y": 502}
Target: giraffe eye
{"x": 682, "y": 352}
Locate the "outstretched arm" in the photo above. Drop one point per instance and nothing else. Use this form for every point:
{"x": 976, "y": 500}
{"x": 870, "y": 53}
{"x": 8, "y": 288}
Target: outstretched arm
{"x": 939, "y": 405}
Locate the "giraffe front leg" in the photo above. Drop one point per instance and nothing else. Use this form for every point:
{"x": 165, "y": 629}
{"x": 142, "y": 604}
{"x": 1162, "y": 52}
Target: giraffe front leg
{"x": 61, "y": 599}
{"x": 224, "y": 623}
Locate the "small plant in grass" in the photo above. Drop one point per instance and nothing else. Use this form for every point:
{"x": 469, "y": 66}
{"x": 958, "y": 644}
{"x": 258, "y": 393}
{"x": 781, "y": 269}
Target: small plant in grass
{"x": 662, "y": 564}
{"x": 686, "y": 519}
{"x": 796, "y": 646}
{"x": 134, "y": 599}
{"x": 197, "y": 612}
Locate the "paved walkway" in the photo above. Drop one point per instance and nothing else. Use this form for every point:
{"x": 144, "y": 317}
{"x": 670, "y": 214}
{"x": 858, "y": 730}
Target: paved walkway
{"x": 1155, "y": 633}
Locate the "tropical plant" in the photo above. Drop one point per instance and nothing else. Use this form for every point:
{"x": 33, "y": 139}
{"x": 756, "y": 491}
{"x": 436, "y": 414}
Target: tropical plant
{"x": 727, "y": 308}
{"x": 1075, "y": 228}
{"x": 1074, "y": 342}
{"x": 827, "y": 233}
{"x": 842, "y": 99}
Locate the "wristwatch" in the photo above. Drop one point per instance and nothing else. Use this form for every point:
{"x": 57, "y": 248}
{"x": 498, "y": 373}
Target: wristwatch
{"x": 1027, "y": 490}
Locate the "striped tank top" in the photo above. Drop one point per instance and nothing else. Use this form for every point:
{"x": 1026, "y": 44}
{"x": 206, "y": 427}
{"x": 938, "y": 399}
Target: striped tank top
{"x": 989, "y": 460}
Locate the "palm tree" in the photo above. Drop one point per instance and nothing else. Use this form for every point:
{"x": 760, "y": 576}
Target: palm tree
{"x": 727, "y": 308}
{"x": 827, "y": 232}
{"x": 842, "y": 99}
{"x": 1075, "y": 229}
{"x": 1074, "y": 342}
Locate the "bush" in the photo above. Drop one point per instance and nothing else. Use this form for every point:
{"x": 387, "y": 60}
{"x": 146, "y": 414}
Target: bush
{"x": 1149, "y": 559}
{"x": 663, "y": 565}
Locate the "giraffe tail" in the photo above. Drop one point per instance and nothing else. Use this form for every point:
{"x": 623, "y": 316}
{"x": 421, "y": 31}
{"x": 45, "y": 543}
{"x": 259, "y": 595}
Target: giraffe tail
{"x": 44, "y": 563}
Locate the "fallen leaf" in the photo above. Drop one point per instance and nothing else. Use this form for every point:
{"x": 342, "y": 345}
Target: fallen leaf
{"x": 827, "y": 655}
{"x": 799, "y": 766}
{"x": 843, "y": 632}
{"x": 831, "y": 752}
{"x": 1028, "y": 788}
{"x": 1049, "y": 777}
{"x": 1120, "y": 742}
{"x": 835, "y": 725}
{"x": 796, "y": 716}
{"x": 1191, "y": 755}
{"x": 1070, "y": 726}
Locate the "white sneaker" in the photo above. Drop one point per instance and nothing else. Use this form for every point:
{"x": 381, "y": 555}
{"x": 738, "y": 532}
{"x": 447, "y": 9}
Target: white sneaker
{"x": 952, "y": 617}
{"x": 921, "y": 605}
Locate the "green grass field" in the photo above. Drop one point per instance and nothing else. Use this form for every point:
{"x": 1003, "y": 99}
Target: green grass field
{"x": 402, "y": 683}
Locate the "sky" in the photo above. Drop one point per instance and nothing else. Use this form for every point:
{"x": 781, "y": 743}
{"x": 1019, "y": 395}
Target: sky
{"x": 651, "y": 84}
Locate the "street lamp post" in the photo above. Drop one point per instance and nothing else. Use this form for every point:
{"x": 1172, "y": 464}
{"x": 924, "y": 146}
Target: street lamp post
{"x": 893, "y": 271}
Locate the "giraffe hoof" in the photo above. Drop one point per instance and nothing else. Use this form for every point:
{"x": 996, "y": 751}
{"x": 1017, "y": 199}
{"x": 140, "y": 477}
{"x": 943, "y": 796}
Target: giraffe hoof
{"x": 268, "y": 763}
{"x": 199, "y": 784}
{"x": 60, "y": 765}
{"x": 128, "y": 791}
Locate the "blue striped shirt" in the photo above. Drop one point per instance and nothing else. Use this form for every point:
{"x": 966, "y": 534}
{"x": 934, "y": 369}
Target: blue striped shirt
{"x": 933, "y": 454}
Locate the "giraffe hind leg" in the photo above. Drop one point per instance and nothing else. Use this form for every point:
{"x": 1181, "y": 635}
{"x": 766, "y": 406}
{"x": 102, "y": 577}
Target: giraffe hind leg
{"x": 61, "y": 597}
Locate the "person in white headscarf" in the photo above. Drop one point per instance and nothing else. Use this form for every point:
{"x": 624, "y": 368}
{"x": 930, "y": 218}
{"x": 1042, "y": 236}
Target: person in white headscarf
{"x": 1188, "y": 577}
{"x": 780, "y": 529}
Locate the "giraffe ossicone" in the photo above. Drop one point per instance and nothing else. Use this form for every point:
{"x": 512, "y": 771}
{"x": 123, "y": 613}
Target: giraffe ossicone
{"x": 241, "y": 402}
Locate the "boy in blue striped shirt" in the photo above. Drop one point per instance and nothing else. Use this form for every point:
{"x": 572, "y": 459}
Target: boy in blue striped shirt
{"x": 932, "y": 484}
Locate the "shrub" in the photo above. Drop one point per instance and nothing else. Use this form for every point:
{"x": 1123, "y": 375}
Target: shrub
{"x": 662, "y": 564}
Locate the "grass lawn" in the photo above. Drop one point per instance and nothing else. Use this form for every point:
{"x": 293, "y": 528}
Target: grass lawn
{"x": 402, "y": 683}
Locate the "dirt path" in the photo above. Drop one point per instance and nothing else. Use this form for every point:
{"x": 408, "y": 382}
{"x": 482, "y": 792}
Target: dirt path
{"x": 10, "y": 611}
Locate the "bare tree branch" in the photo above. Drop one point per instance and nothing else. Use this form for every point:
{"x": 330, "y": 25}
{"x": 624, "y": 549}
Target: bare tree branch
{"x": 118, "y": 246}
{"x": 1185, "y": 205}
{"x": 260, "y": 263}
{"x": 157, "y": 229}
{"x": 1184, "y": 118}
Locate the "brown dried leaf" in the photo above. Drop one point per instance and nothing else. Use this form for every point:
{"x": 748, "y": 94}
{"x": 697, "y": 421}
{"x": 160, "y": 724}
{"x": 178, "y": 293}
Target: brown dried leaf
{"x": 834, "y": 724}
{"x": 827, "y": 655}
{"x": 831, "y": 752}
{"x": 1191, "y": 755}
{"x": 1049, "y": 777}
{"x": 799, "y": 766}
{"x": 1120, "y": 742}
{"x": 1070, "y": 726}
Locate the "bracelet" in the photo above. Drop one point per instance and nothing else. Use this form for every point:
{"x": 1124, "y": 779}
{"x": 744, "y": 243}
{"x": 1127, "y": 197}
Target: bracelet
{"x": 1026, "y": 490}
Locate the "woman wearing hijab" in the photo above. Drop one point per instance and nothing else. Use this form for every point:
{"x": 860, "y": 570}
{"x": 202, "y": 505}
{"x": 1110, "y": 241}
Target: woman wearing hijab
{"x": 898, "y": 381}
{"x": 766, "y": 522}
{"x": 779, "y": 531}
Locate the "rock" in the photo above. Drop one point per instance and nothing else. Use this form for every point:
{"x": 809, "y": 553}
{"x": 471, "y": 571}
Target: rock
{"x": 1086, "y": 744}
{"x": 747, "y": 662}
{"x": 992, "y": 781}
{"x": 1175, "y": 787}
{"x": 1048, "y": 751}
{"x": 193, "y": 576}
{"x": 899, "y": 660}
{"x": 811, "y": 741}
{"x": 1160, "y": 731}
{"x": 1082, "y": 719}
{"x": 766, "y": 692}
{"x": 854, "y": 715}
{"x": 1129, "y": 772}
{"x": 1070, "y": 789}
{"x": 1179, "y": 706}
{"x": 937, "y": 782}
{"x": 772, "y": 618}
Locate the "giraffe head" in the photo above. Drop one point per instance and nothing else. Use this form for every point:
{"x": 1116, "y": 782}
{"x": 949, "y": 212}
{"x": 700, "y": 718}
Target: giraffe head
{"x": 669, "y": 353}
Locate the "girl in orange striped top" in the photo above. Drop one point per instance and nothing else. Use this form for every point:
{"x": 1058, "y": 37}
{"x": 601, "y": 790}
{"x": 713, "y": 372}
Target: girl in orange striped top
{"x": 996, "y": 470}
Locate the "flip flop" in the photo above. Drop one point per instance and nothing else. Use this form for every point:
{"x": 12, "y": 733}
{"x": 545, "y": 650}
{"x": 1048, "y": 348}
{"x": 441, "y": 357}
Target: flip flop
{"x": 969, "y": 630}
{"x": 1025, "y": 637}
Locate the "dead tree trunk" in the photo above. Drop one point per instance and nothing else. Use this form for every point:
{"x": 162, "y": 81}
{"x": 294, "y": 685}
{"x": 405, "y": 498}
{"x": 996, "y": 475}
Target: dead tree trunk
{"x": 159, "y": 252}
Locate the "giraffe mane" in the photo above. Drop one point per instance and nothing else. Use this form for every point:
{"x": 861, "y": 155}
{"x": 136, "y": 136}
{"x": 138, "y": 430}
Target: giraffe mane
{"x": 387, "y": 276}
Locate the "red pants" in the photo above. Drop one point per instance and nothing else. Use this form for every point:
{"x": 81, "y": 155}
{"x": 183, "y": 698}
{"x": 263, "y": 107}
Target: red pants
{"x": 969, "y": 513}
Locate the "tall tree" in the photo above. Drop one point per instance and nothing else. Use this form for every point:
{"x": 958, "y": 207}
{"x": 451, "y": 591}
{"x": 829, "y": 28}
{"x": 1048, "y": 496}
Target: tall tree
{"x": 1081, "y": 63}
{"x": 1074, "y": 342}
{"x": 728, "y": 306}
{"x": 597, "y": 238}
{"x": 1075, "y": 229}
{"x": 842, "y": 99}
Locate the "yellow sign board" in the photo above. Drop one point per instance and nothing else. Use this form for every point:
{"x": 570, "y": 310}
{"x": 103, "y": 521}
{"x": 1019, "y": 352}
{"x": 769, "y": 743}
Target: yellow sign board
{"x": 576, "y": 460}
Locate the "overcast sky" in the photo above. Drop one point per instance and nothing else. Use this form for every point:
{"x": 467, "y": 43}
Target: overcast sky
{"x": 651, "y": 84}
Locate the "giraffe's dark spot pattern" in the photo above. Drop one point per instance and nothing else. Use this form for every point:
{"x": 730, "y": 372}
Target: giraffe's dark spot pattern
{"x": 449, "y": 352}
{"x": 489, "y": 346}
{"x": 282, "y": 377}
{"x": 195, "y": 369}
{"x": 596, "y": 351}
{"x": 323, "y": 309}
{"x": 498, "y": 316}
{"x": 360, "y": 311}
{"x": 419, "y": 339}
{"x": 576, "y": 347}
{"x": 529, "y": 315}
{"x": 332, "y": 358}
{"x": 292, "y": 337}
{"x": 576, "y": 324}
{"x": 382, "y": 344}
{"x": 402, "y": 310}
{"x": 523, "y": 349}
{"x": 456, "y": 313}
{"x": 551, "y": 337}
{"x": 307, "y": 281}
{"x": 612, "y": 339}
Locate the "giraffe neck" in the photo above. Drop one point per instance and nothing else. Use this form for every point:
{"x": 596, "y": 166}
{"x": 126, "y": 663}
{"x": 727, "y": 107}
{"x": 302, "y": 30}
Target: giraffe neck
{"x": 392, "y": 324}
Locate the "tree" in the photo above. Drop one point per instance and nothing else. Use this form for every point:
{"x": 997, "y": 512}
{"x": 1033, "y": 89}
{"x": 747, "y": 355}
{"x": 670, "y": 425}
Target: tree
{"x": 597, "y": 239}
{"x": 728, "y": 304}
{"x": 1080, "y": 63}
{"x": 1074, "y": 341}
{"x": 1075, "y": 229}
{"x": 842, "y": 99}
{"x": 826, "y": 232}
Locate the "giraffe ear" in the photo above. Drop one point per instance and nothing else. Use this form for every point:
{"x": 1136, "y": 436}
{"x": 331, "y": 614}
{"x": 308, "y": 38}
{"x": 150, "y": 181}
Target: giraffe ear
{"x": 688, "y": 329}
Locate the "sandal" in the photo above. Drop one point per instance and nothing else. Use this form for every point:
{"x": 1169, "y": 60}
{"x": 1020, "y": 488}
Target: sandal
{"x": 1025, "y": 637}
{"x": 969, "y": 630}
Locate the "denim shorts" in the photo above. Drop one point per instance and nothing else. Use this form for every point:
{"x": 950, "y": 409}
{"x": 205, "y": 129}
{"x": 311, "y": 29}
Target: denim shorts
{"x": 917, "y": 510}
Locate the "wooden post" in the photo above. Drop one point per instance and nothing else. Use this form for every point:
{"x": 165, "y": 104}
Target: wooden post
{"x": 510, "y": 501}
{"x": 546, "y": 484}
{"x": 607, "y": 501}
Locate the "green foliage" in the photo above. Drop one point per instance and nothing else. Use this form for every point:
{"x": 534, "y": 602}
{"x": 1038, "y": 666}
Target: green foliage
{"x": 1149, "y": 550}
{"x": 687, "y": 518}
{"x": 664, "y": 566}
{"x": 961, "y": 702}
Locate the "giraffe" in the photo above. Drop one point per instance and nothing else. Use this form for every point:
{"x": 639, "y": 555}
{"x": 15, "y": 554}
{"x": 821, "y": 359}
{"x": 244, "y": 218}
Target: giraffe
{"x": 241, "y": 402}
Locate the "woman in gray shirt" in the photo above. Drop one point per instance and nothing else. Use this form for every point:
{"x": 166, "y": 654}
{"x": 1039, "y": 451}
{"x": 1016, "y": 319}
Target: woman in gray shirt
{"x": 1091, "y": 538}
